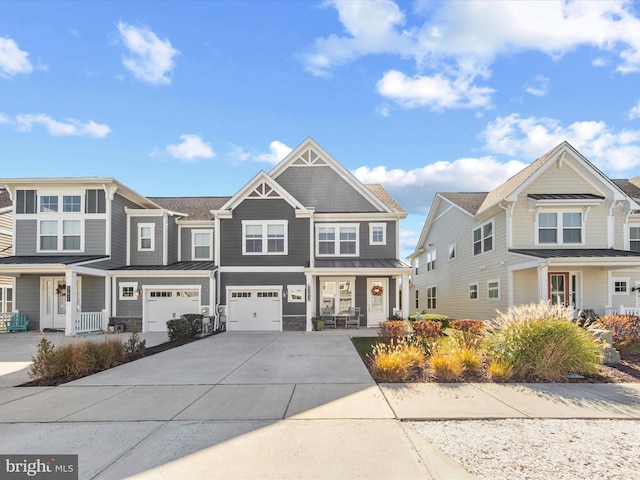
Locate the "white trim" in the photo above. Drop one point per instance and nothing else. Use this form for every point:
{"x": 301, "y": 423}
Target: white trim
{"x": 364, "y": 217}
{"x": 373, "y": 226}
{"x": 152, "y": 237}
{"x": 336, "y": 293}
{"x": 626, "y": 280}
{"x": 559, "y": 228}
{"x": 477, "y": 284}
{"x": 165, "y": 240}
{"x": 336, "y": 240}
{"x": 260, "y": 269}
{"x": 483, "y": 238}
{"x": 209, "y": 233}
{"x": 291, "y": 288}
{"x": 59, "y": 219}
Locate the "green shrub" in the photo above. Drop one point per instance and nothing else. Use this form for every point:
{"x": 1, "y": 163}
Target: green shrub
{"x": 428, "y": 334}
{"x": 436, "y": 317}
{"x": 467, "y": 333}
{"x": 392, "y": 330}
{"x": 541, "y": 342}
{"x": 397, "y": 361}
{"x": 625, "y": 330}
{"x": 187, "y": 327}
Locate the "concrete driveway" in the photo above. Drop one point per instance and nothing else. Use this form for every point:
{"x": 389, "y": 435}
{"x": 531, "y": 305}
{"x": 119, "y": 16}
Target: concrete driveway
{"x": 239, "y": 405}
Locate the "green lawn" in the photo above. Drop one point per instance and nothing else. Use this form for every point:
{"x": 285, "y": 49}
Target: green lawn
{"x": 364, "y": 345}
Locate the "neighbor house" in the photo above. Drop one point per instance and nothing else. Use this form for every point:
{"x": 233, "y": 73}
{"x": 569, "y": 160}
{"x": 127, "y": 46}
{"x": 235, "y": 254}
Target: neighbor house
{"x": 6, "y": 244}
{"x": 304, "y": 236}
{"x": 559, "y": 230}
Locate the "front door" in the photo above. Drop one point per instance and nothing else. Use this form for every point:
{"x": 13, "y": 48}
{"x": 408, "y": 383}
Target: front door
{"x": 559, "y": 288}
{"x": 53, "y": 302}
{"x": 377, "y": 301}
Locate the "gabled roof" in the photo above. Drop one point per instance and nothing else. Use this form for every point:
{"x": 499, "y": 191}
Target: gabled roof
{"x": 262, "y": 186}
{"x": 629, "y": 187}
{"x": 5, "y": 200}
{"x": 310, "y": 153}
{"x": 198, "y": 208}
{"x": 381, "y": 192}
{"x": 469, "y": 201}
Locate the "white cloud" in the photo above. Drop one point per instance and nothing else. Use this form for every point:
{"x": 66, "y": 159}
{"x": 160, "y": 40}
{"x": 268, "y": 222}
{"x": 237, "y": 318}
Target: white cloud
{"x": 149, "y": 59}
{"x": 13, "y": 61}
{"x": 459, "y": 41}
{"x": 538, "y": 87}
{"x": 635, "y": 111}
{"x": 191, "y": 149}
{"x": 613, "y": 151}
{"x": 437, "y": 92}
{"x": 415, "y": 188}
{"x": 70, "y": 127}
{"x": 277, "y": 151}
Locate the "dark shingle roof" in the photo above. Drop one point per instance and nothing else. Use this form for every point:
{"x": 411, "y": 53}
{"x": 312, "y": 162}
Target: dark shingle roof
{"x": 469, "y": 201}
{"x": 198, "y": 208}
{"x": 628, "y": 187}
{"x": 380, "y": 192}
{"x": 574, "y": 252}
{"x": 5, "y": 201}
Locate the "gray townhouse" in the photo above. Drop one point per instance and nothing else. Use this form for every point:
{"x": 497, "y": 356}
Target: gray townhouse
{"x": 304, "y": 237}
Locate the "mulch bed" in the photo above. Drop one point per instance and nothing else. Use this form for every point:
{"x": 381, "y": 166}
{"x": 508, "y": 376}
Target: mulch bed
{"x": 130, "y": 358}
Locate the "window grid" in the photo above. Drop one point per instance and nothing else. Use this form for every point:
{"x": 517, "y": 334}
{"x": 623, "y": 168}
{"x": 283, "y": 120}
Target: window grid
{"x": 431, "y": 298}
{"x": 634, "y": 239}
{"x": 337, "y": 240}
{"x": 483, "y": 238}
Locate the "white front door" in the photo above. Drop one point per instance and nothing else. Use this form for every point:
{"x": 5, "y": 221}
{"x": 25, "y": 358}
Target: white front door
{"x": 53, "y": 302}
{"x": 377, "y": 301}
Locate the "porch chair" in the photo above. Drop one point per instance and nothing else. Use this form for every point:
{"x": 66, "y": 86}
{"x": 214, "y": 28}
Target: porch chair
{"x": 329, "y": 318}
{"x": 353, "y": 319}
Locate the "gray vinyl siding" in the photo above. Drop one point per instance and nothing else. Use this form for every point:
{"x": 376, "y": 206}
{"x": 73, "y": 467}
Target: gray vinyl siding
{"x": 261, "y": 210}
{"x": 153, "y": 257}
{"x": 133, "y": 308}
{"x": 93, "y": 294}
{"x": 172, "y": 252}
{"x": 186, "y": 239}
{"x": 119, "y": 230}
{"x": 95, "y": 236}
{"x": 321, "y": 187}
{"x": 27, "y": 299}
{"x": 6, "y": 241}
{"x": 26, "y": 237}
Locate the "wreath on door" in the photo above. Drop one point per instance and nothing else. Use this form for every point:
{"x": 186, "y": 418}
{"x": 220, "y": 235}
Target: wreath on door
{"x": 377, "y": 291}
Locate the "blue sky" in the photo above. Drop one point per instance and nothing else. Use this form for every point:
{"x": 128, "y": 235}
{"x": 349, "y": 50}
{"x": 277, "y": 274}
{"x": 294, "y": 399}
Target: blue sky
{"x": 194, "y": 98}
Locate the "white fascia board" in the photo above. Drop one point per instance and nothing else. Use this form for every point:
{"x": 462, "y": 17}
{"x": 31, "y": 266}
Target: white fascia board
{"x": 256, "y": 269}
{"x": 595, "y": 262}
{"x": 365, "y": 217}
{"x": 358, "y": 272}
{"x": 160, "y": 273}
{"x": 6, "y": 210}
{"x": 93, "y": 272}
{"x": 185, "y": 222}
{"x": 8, "y": 233}
{"x": 143, "y": 212}
{"x": 262, "y": 176}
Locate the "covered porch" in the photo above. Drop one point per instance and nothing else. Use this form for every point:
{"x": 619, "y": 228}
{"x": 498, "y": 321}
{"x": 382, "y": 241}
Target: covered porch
{"x": 370, "y": 291}
{"x": 61, "y": 293}
{"x": 598, "y": 280}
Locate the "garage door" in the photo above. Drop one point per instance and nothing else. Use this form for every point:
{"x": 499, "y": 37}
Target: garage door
{"x": 254, "y": 309}
{"x": 165, "y": 304}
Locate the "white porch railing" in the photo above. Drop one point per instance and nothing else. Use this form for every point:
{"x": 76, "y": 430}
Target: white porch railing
{"x": 622, "y": 310}
{"x": 90, "y": 322}
{"x": 4, "y": 319}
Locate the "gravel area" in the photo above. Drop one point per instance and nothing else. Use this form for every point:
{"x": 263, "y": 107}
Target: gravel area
{"x": 539, "y": 449}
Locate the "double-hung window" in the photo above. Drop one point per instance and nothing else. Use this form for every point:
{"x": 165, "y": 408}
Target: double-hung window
{"x": 60, "y": 222}
{"x": 431, "y": 260}
{"x": 634, "y": 239}
{"x": 560, "y": 228}
{"x": 264, "y": 238}
{"x": 431, "y": 298}
{"x": 6, "y": 299}
{"x": 146, "y": 237}
{"x": 483, "y": 238}
{"x": 337, "y": 240}
{"x": 201, "y": 245}
{"x": 377, "y": 234}
{"x": 493, "y": 289}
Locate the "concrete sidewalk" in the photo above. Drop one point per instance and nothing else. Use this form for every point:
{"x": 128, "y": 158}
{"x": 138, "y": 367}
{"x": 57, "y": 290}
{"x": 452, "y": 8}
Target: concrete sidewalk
{"x": 270, "y": 406}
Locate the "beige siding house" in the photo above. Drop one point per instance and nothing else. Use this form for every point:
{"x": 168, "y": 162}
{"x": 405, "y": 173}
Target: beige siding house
{"x": 559, "y": 230}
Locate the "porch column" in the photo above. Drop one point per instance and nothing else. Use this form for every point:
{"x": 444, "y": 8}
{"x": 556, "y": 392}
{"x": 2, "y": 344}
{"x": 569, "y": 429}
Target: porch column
{"x": 405, "y": 296}
{"x": 107, "y": 303}
{"x": 543, "y": 283}
{"x": 72, "y": 302}
{"x": 311, "y": 300}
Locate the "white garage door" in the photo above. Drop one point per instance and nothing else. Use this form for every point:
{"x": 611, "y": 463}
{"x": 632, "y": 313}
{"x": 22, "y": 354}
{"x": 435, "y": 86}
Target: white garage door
{"x": 254, "y": 309}
{"x": 164, "y": 304}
